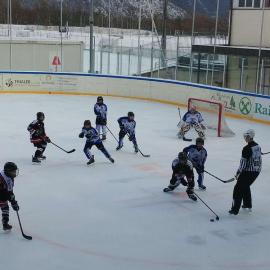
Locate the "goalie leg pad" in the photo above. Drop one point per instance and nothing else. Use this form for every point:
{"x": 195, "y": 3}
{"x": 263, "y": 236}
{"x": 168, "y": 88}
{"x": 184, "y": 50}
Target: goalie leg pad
{"x": 183, "y": 130}
{"x": 199, "y": 130}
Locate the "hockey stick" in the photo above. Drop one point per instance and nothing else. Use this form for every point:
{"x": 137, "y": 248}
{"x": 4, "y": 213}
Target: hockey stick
{"x": 223, "y": 181}
{"x": 179, "y": 112}
{"x": 24, "y": 235}
{"x": 112, "y": 134}
{"x": 217, "y": 217}
{"x": 68, "y": 152}
{"x": 266, "y": 153}
{"x": 144, "y": 155}
{"x": 128, "y": 136}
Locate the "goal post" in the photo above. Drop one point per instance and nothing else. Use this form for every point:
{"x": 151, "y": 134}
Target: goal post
{"x": 213, "y": 113}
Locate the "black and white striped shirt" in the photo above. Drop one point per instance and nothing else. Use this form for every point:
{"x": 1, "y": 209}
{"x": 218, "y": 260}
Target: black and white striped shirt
{"x": 251, "y": 160}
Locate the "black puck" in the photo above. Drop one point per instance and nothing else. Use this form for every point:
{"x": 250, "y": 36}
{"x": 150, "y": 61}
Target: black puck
{"x": 212, "y": 220}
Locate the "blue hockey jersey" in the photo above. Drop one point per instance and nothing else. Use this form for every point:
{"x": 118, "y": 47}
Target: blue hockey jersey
{"x": 196, "y": 155}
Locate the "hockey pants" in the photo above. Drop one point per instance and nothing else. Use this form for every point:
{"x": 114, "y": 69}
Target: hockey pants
{"x": 40, "y": 148}
{"x": 100, "y": 146}
{"x": 132, "y": 138}
{"x": 177, "y": 179}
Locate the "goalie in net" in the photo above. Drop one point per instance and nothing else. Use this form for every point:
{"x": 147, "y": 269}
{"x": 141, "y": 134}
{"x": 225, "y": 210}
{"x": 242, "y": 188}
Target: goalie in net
{"x": 202, "y": 115}
{"x": 192, "y": 119}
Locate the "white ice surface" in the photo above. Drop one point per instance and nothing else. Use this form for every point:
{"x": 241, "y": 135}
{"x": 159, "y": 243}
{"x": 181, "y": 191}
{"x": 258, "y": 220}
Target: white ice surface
{"x": 115, "y": 216}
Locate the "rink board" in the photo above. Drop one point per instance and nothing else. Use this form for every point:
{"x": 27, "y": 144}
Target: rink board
{"x": 237, "y": 103}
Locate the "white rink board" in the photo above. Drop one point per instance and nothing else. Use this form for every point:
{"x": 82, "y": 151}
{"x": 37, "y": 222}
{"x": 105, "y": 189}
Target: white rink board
{"x": 237, "y": 103}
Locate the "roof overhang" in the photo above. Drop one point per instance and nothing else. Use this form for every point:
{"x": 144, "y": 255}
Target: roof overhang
{"x": 231, "y": 50}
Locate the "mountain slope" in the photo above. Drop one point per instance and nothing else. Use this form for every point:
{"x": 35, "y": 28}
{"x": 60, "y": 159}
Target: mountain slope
{"x": 176, "y": 8}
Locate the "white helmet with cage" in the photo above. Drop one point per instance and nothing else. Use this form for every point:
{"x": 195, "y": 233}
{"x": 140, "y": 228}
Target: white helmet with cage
{"x": 249, "y": 134}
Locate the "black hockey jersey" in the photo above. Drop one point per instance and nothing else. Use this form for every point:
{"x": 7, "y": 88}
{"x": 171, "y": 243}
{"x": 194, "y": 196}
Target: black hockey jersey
{"x": 37, "y": 130}
{"x": 183, "y": 169}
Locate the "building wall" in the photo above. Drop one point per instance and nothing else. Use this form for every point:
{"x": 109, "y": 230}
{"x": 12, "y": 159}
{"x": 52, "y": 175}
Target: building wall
{"x": 39, "y": 56}
{"x": 246, "y": 27}
{"x": 243, "y": 78}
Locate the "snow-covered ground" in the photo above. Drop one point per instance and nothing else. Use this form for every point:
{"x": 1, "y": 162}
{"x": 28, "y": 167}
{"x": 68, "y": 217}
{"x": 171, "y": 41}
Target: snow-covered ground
{"x": 115, "y": 216}
{"x": 124, "y": 44}
{"x": 119, "y": 37}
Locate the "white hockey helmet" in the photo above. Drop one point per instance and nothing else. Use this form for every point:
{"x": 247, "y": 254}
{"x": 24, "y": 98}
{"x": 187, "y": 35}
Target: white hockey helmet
{"x": 250, "y": 133}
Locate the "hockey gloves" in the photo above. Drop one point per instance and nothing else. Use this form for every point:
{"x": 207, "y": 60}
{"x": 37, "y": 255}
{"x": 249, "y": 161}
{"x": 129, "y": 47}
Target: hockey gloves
{"x": 88, "y": 136}
{"x": 46, "y": 139}
{"x": 14, "y": 204}
{"x": 200, "y": 169}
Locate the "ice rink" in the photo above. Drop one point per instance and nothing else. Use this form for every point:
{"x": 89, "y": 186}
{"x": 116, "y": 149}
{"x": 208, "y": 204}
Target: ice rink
{"x": 116, "y": 216}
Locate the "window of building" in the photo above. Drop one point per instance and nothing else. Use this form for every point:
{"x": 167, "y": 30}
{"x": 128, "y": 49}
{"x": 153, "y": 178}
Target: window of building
{"x": 250, "y": 3}
{"x": 267, "y": 3}
{"x": 242, "y": 3}
{"x": 257, "y": 3}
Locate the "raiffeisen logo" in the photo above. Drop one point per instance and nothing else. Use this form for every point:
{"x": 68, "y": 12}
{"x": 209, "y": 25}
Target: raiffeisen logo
{"x": 260, "y": 109}
{"x": 245, "y": 105}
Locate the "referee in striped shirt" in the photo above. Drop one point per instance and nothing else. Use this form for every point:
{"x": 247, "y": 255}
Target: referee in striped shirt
{"x": 249, "y": 169}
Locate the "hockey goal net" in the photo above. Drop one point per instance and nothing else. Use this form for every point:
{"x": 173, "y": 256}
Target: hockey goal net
{"x": 213, "y": 115}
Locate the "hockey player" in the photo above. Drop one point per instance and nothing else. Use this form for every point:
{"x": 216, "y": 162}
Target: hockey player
{"x": 127, "y": 126}
{"x": 6, "y": 192}
{"x": 92, "y": 138}
{"x": 192, "y": 118}
{"x": 248, "y": 171}
{"x": 182, "y": 167}
{"x": 100, "y": 110}
{"x": 197, "y": 154}
{"x": 38, "y": 137}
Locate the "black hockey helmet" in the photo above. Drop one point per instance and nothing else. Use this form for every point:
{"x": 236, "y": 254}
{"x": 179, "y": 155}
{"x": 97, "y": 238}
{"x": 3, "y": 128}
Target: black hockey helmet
{"x": 200, "y": 140}
{"x": 99, "y": 99}
{"x": 182, "y": 156}
{"x": 87, "y": 123}
{"x": 11, "y": 169}
{"x": 40, "y": 116}
{"x": 131, "y": 114}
